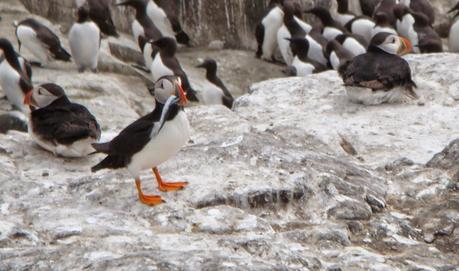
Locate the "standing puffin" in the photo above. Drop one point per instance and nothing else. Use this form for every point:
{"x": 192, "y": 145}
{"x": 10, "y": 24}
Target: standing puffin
{"x": 151, "y": 140}
{"x": 142, "y": 24}
{"x": 40, "y": 41}
{"x": 99, "y": 12}
{"x": 59, "y": 126}
{"x": 165, "y": 63}
{"x": 217, "y": 93}
{"x": 453, "y": 38}
{"x": 266, "y": 32}
{"x": 168, "y": 26}
{"x": 380, "y": 75}
{"x": 15, "y": 75}
{"x": 84, "y": 40}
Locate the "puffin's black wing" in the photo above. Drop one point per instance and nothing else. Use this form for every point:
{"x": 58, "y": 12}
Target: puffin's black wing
{"x": 377, "y": 71}
{"x": 65, "y": 124}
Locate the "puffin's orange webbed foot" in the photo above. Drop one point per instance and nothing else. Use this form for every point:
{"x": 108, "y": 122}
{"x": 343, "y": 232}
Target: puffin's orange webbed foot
{"x": 168, "y": 186}
{"x": 151, "y": 200}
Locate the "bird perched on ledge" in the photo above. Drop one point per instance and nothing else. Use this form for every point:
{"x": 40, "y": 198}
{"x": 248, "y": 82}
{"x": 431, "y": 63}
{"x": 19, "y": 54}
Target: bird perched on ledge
{"x": 152, "y": 139}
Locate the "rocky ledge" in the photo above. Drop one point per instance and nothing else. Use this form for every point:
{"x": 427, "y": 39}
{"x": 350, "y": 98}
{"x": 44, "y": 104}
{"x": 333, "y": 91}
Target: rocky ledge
{"x": 294, "y": 178}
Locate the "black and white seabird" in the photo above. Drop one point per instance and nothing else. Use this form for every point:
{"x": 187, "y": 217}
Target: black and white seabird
{"x": 266, "y": 32}
{"x": 428, "y": 39}
{"x": 383, "y": 24}
{"x": 331, "y": 28}
{"x": 342, "y": 15}
{"x": 169, "y": 26}
{"x": 362, "y": 26}
{"x": 40, "y": 41}
{"x": 405, "y": 25}
{"x": 15, "y": 75}
{"x": 351, "y": 44}
{"x": 142, "y": 24}
{"x": 302, "y": 65}
{"x": 165, "y": 63}
{"x": 380, "y": 75}
{"x": 151, "y": 140}
{"x": 59, "y": 126}
{"x": 337, "y": 55}
{"x": 216, "y": 92}
{"x": 421, "y": 6}
{"x": 386, "y": 7}
{"x": 453, "y": 38}
{"x": 99, "y": 12}
{"x": 293, "y": 27}
{"x": 84, "y": 40}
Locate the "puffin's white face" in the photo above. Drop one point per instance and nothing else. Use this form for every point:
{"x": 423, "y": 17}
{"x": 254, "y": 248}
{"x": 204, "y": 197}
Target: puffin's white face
{"x": 164, "y": 88}
{"x": 42, "y": 97}
{"x": 396, "y": 45}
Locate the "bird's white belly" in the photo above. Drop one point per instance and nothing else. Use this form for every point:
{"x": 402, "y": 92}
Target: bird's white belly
{"x": 29, "y": 40}
{"x": 379, "y": 29}
{"x": 315, "y": 51}
{"x": 9, "y": 81}
{"x": 334, "y": 61}
{"x": 147, "y": 51}
{"x": 454, "y": 37}
{"x": 77, "y": 149}
{"x": 368, "y": 97}
{"x": 137, "y": 30}
{"x": 353, "y": 46}
{"x": 306, "y": 27}
{"x": 343, "y": 19}
{"x": 302, "y": 68}
{"x": 330, "y": 33}
{"x": 284, "y": 45}
{"x": 209, "y": 94}
{"x": 272, "y": 22}
{"x": 84, "y": 40}
{"x": 364, "y": 28}
{"x": 172, "y": 137}
{"x": 159, "y": 18}
{"x": 79, "y": 3}
{"x": 158, "y": 69}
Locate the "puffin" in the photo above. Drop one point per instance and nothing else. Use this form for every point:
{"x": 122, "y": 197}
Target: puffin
{"x": 405, "y": 25}
{"x": 453, "y": 38}
{"x": 380, "y": 75}
{"x": 266, "y": 32}
{"x": 84, "y": 40}
{"x": 166, "y": 63}
{"x": 383, "y": 24}
{"x": 421, "y": 6}
{"x": 331, "y": 28}
{"x": 386, "y": 7}
{"x": 40, "y": 41}
{"x": 216, "y": 93}
{"x": 342, "y": 14}
{"x": 15, "y": 75}
{"x": 142, "y": 24}
{"x": 362, "y": 26}
{"x": 428, "y": 39}
{"x": 151, "y": 140}
{"x": 168, "y": 26}
{"x": 337, "y": 55}
{"x": 302, "y": 65}
{"x": 293, "y": 27}
{"x": 59, "y": 126}
{"x": 99, "y": 12}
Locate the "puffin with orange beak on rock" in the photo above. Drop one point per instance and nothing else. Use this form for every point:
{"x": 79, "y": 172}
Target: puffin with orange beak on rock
{"x": 152, "y": 139}
{"x": 380, "y": 75}
{"x": 59, "y": 126}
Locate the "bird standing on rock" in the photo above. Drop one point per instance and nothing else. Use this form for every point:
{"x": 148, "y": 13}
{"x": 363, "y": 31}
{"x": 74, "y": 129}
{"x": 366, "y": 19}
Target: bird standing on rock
{"x": 99, "y": 12}
{"x": 216, "y": 93}
{"x": 84, "y": 40}
{"x": 152, "y": 139}
{"x": 15, "y": 75}
{"x": 40, "y": 41}
{"x": 59, "y": 126}
{"x": 380, "y": 75}
{"x": 266, "y": 32}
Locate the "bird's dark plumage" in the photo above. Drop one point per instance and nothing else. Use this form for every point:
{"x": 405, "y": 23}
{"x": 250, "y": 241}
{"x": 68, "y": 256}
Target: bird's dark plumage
{"x": 99, "y": 11}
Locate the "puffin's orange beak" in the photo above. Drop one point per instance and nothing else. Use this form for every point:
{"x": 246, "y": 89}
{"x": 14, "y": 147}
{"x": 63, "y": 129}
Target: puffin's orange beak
{"x": 406, "y": 47}
{"x": 28, "y": 98}
{"x": 182, "y": 94}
